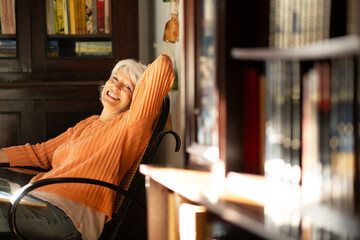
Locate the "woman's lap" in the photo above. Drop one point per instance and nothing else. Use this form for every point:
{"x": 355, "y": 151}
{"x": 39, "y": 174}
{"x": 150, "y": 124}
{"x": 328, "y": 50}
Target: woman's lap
{"x": 40, "y": 223}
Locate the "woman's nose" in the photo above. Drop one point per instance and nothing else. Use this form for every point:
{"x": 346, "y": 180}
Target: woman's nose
{"x": 118, "y": 86}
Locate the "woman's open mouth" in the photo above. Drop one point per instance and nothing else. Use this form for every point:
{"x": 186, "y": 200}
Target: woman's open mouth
{"x": 110, "y": 94}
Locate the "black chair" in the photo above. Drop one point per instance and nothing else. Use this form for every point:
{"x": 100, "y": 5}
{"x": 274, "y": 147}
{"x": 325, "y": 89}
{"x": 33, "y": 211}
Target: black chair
{"x": 128, "y": 189}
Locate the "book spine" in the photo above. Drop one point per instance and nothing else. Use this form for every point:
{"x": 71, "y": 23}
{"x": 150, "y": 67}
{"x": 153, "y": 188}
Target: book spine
{"x": 107, "y": 16}
{"x": 94, "y": 14}
{"x": 83, "y": 17}
{"x": 94, "y": 54}
{"x": 7, "y": 43}
{"x": 357, "y": 133}
{"x": 353, "y": 17}
{"x": 2, "y": 22}
{"x": 296, "y": 32}
{"x": 66, "y": 16}
{"x": 48, "y": 21}
{"x": 55, "y": 17}
{"x": 12, "y": 17}
{"x": 274, "y": 164}
{"x": 8, "y": 11}
{"x": 89, "y": 17}
{"x": 94, "y": 47}
{"x": 77, "y": 16}
{"x": 5, "y": 15}
{"x": 286, "y": 119}
{"x": 5, "y": 186}
{"x": 100, "y": 17}
{"x": 348, "y": 143}
{"x": 72, "y": 16}
{"x": 110, "y": 16}
{"x": 311, "y": 166}
{"x": 60, "y": 15}
{"x": 295, "y": 124}
{"x": 251, "y": 121}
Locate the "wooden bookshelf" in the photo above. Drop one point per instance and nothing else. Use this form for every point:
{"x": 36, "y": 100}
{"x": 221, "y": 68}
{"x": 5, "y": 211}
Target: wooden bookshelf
{"x": 286, "y": 72}
{"x": 243, "y": 206}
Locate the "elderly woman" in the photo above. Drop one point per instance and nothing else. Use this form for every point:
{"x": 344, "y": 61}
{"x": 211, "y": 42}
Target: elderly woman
{"x": 99, "y": 147}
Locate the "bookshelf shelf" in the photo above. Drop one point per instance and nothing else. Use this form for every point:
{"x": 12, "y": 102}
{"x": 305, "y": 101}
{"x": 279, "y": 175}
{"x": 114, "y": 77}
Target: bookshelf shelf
{"x": 79, "y": 36}
{"x": 332, "y": 48}
{"x": 7, "y": 36}
{"x": 248, "y": 210}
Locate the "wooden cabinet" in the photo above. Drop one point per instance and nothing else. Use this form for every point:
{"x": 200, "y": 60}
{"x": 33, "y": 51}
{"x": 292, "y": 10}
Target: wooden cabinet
{"x": 41, "y": 96}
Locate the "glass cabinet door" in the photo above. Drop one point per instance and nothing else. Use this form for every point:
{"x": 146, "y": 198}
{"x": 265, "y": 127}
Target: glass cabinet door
{"x": 84, "y": 35}
{"x": 14, "y": 37}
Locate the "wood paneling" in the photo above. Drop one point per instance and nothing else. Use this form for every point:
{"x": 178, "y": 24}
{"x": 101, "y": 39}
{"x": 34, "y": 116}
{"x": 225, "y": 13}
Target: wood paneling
{"x": 9, "y": 129}
{"x": 33, "y": 113}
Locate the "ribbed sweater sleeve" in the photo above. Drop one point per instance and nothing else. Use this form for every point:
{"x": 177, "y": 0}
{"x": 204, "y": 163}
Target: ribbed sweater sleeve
{"x": 41, "y": 154}
{"x": 160, "y": 71}
{"x": 100, "y": 150}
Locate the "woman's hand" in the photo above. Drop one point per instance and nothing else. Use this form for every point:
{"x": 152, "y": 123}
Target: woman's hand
{"x": 3, "y": 156}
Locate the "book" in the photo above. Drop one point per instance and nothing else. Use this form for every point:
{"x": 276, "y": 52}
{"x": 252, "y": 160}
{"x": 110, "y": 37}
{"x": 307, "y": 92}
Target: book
{"x": 77, "y": 16}
{"x": 323, "y": 108}
{"x": 8, "y": 186}
{"x": 357, "y": 137}
{"x": 295, "y": 23}
{"x": 7, "y": 48}
{"x": 82, "y": 12}
{"x": 94, "y": 14}
{"x": 66, "y": 17}
{"x": 53, "y": 48}
{"x": 72, "y": 17}
{"x": 7, "y": 43}
{"x": 7, "y": 15}
{"x": 251, "y": 98}
{"x": 107, "y": 16}
{"x": 2, "y": 22}
{"x": 54, "y": 8}
{"x": 60, "y": 16}
{"x": 8, "y": 190}
{"x": 100, "y": 16}
{"x": 274, "y": 160}
{"x": 89, "y": 17}
{"x": 311, "y": 165}
{"x": 295, "y": 123}
{"x": 353, "y": 18}
{"x": 50, "y": 22}
{"x": 85, "y": 48}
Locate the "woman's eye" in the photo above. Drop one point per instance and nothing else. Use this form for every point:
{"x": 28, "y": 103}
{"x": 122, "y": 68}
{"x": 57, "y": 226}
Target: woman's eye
{"x": 115, "y": 78}
{"x": 128, "y": 87}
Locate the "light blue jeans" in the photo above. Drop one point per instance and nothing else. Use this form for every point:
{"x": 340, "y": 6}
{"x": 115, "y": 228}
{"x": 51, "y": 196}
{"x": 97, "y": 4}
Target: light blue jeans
{"x": 39, "y": 223}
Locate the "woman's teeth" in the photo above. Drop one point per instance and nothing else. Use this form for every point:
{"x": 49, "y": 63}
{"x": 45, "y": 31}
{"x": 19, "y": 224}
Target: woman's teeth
{"x": 113, "y": 96}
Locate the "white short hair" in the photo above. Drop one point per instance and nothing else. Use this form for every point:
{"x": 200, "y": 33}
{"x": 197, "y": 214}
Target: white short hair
{"x": 133, "y": 69}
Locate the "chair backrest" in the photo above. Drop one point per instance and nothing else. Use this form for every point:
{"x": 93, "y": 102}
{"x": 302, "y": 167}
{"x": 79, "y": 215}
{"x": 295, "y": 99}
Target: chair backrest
{"x": 133, "y": 181}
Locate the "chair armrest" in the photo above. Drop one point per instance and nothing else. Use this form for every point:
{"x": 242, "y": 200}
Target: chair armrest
{"x": 158, "y": 140}
{"x": 2, "y": 165}
{"x": 40, "y": 183}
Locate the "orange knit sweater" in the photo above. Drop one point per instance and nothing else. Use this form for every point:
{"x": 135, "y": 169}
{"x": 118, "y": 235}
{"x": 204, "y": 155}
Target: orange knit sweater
{"x": 100, "y": 150}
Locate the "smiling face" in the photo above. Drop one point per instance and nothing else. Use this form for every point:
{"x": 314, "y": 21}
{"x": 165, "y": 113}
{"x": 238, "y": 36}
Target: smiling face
{"x": 117, "y": 93}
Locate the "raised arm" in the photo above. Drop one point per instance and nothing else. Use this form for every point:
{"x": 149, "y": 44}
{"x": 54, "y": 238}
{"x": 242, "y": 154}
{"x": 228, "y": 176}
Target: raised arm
{"x": 152, "y": 87}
